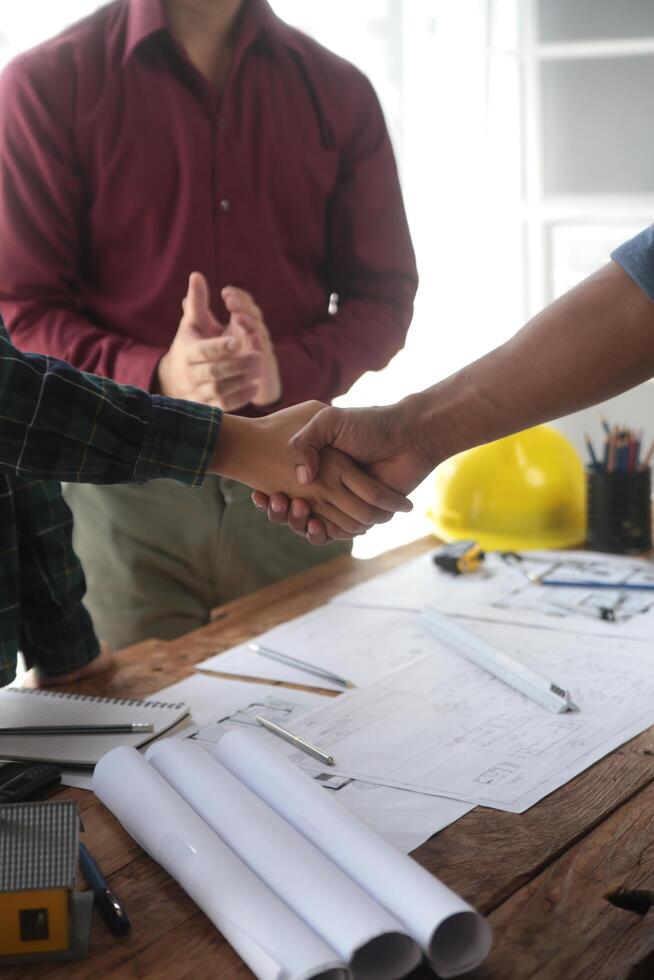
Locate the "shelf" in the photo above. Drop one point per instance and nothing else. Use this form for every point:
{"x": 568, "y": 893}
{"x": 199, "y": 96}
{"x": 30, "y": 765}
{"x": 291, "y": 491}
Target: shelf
{"x": 579, "y": 50}
{"x": 592, "y": 209}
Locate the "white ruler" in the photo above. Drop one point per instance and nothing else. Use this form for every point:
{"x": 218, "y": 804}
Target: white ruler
{"x": 500, "y": 665}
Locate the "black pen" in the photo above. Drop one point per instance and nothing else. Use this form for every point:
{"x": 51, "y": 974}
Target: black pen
{"x": 108, "y": 905}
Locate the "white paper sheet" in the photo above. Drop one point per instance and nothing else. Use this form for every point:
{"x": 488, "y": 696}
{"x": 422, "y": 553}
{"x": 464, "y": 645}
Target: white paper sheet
{"x": 403, "y": 818}
{"x": 498, "y": 592}
{"x": 79, "y": 778}
{"x": 362, "y": 647}
{"x": 217, "y": 706}
{"x": 363, "y": 934}
{"x": 444, "y": 726}
{"x": 274, "y": 942}
{"x": 452, "y": 935}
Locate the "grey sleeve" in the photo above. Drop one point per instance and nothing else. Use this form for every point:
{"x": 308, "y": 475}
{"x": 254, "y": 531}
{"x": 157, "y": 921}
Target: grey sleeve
{"x": 636, "y": 257}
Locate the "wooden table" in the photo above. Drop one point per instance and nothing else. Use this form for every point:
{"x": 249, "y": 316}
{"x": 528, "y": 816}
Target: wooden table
{"x": 543, "y": 877}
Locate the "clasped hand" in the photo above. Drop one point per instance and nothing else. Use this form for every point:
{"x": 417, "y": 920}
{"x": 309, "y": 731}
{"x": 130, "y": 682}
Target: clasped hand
{"x": 258, "y": 452}
{"x": 224, "y": 365}
{"x": 384, "y": 442}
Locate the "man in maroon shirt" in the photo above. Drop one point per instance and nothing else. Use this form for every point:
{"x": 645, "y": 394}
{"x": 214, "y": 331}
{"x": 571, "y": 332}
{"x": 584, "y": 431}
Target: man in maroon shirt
{"x": 161, "y": 137}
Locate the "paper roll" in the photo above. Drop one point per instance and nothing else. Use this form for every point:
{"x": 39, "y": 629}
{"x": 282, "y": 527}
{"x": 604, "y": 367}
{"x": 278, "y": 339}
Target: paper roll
{"x": 363, "y": 933}
{"x": 274, "y": 942}
{"x": 454, "y": 937}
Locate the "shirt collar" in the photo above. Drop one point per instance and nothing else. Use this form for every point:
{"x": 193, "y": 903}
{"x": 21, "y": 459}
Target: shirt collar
{"x": 147, "y": 17}
{"x": 144, "y": 17}
{"x": 269, "y": 26}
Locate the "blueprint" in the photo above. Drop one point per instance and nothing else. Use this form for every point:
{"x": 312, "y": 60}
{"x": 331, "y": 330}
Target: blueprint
{"x": 442, "y": 725}
{"x": 501, "y": 592}
{"x": 404, "y": 818}
{"x": 361, "y": 646}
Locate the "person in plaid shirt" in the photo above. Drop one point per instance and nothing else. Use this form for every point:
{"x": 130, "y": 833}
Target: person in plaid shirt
{"x": 59, "y": 423}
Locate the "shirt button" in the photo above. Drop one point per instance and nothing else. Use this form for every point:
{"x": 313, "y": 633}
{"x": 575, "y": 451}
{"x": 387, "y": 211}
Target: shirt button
{"x": 222, "y": 122}
{"x": 225, "y": 205}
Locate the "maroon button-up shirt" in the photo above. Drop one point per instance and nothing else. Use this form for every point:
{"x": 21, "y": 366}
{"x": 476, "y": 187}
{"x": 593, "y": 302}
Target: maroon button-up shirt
{"x": 121, "y": 172}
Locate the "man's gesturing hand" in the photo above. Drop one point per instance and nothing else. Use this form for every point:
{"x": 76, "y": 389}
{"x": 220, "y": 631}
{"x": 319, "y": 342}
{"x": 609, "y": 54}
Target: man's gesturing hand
{"x": 246, "y": 315}
{"x": 208, "y": 362}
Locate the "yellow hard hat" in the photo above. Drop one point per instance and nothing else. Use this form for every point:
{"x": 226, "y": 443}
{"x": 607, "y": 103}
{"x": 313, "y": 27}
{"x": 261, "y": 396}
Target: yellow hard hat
{"x": 525, "y": 491}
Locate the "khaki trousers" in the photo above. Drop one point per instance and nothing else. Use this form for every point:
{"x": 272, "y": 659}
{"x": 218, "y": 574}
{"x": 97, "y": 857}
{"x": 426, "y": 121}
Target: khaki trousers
{"x": 159, "y": 557}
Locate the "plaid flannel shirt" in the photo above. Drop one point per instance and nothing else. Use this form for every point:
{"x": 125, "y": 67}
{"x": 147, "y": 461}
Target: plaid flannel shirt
{"x": 57, "y": 423}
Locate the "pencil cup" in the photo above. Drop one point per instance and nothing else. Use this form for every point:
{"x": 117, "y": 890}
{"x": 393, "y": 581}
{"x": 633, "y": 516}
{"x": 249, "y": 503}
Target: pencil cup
{"x": 619, "y": 511}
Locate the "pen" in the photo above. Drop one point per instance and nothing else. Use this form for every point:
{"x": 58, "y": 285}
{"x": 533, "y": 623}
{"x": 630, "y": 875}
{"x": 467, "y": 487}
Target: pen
{"x": 300, "y": 743}
{"x": 136, "y": 727}
{"x": 499, "y": 664}
{"x": 284, "y": 658}
{"x": 539, "y": 578}
{"x": 108, "y": 905}
{"x": 615, "y": 586}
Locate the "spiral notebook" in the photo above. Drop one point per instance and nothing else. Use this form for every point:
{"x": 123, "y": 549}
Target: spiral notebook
{"x": 23, "y": 706}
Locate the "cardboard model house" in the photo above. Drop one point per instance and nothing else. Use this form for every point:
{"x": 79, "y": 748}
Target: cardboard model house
{"x": 39, "y": 847}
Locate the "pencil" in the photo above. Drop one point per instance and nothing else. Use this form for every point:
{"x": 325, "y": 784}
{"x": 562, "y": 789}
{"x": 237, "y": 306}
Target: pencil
{"x": 133, "y": 728}
{"x": 648, "y": 456}
{"x": 591, "y": 452}
{"x": 612, "y": 449}
{"x": 285, "y": 658}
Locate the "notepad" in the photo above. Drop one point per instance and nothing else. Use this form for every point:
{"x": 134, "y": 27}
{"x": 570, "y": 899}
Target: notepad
{"x": 24, "y": 706}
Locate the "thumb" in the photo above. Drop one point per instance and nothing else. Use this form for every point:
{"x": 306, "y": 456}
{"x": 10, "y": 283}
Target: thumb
{"x": 197, "y": 295}
{"x": 322, "y": 430}
{"x": 196, "y": 306}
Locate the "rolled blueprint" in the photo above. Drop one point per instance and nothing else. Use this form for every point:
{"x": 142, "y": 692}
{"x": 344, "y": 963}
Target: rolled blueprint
{"x": 274, "y": 942}
{"x": 454, "y": 937}
{"x": 363, "y": 933}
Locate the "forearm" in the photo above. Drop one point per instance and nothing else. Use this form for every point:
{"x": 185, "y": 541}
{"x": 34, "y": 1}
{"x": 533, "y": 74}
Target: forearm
{"x": 235, "y": 452}
{"x": 591, "y": 344}
{"x": 62, "y": 424}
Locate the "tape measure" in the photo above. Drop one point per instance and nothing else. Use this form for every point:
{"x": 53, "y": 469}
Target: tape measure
{"x": 459, "y": 557}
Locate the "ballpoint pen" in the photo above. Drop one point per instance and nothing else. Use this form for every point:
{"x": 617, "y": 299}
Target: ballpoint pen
{"x": 590, "y": 584}
{"x": 135, "y": 728}
{"x": 108, "y": 905}
{"x": 285, "y": 658}
{"x": 297, "y": 741}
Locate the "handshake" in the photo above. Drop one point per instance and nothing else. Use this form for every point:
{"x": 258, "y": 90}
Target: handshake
{"x": 328, "y": 473}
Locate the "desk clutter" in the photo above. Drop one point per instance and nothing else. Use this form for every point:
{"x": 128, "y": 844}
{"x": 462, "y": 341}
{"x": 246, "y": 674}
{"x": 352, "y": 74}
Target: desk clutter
{"x": 545, "y": 614}
{"x": 299, "y": 887}
{"x": 411, "y": 705}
